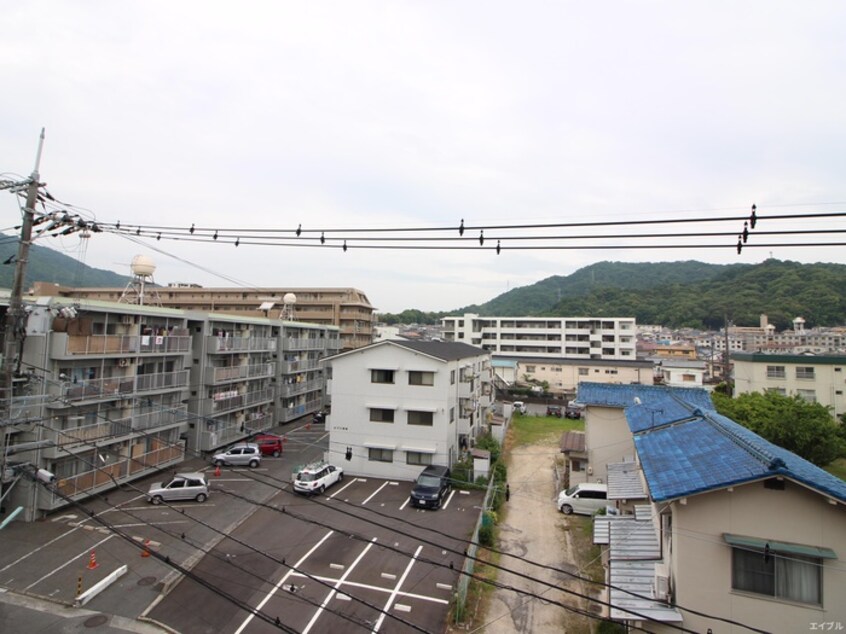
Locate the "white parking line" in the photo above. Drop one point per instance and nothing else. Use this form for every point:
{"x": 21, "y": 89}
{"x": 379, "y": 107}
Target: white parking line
{"x": 407, "y": 500}
{"x": 449, "y": 499}
{"x": 281, "y": 581}
{"x": 384, "y": 484}
{"x": 350, "y": 483}
{"x": 69, "y": 562}
{"x": 366, "y": 586}
{"x": 337, "y": 585}
{"x": 397, "y": 587}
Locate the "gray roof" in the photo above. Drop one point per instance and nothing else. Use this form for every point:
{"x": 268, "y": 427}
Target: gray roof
{"x": 624, "y": 482}
{"x": 446, "y": 350}
{"x": 622, "y": 363}
{"x": 637, "y": 577}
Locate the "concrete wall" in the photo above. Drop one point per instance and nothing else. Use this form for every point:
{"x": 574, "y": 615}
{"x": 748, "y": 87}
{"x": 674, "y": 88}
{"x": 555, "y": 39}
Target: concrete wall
{"x": 608, "y": 439}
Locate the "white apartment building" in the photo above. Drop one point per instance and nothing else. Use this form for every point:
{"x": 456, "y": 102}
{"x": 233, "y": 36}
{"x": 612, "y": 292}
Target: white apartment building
{"x": 111, "y": 392}
{"x": 816, "y": 378}
{"x": 398, "y": 406}
{"x": 546, "y": 337}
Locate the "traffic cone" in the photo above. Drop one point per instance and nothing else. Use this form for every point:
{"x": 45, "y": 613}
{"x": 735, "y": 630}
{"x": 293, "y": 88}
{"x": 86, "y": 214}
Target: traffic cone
{"x": 217, "y": 471}
{"x": 92, "y": 561}
{"x": 145, "y": 552}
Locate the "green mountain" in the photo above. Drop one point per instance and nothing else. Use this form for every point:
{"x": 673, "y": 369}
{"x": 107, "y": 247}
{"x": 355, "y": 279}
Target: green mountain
{"x": 692, "y": 294}
{"x": 48, "y": 265}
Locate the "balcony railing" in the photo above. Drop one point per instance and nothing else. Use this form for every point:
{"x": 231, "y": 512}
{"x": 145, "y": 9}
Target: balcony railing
{"x": 239, "y": 372}
{"x": 241, "y": 401}
{"x": 161, "y": 381}
{"x": 290, "y": 413}
{"x": 291, "y": 389}
{"x": 125, "y": 344}
{"x": 300, "y": 366}
{"x": 294, "y": 343}
{"x": 240, "y": 344}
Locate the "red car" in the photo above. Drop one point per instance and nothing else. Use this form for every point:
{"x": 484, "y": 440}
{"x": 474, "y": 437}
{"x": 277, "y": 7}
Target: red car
{"x": 269, "y": 444}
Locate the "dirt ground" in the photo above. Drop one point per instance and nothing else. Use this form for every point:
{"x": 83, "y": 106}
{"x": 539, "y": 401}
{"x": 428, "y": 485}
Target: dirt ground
{"x": 531, "y": 526}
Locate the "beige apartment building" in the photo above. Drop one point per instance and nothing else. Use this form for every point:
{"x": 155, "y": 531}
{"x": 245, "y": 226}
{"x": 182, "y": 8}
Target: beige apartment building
{"x": 816, "y": 378}
{"x": 346, "y": 308}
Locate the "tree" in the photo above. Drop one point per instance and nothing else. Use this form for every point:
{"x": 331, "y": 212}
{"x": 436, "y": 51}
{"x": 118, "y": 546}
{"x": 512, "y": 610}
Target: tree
{"x": 807, "y": 429}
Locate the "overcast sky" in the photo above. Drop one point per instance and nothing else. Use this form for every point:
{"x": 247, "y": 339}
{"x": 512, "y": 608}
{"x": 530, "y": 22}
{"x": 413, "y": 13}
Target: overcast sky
{"x": 414, "y": 114}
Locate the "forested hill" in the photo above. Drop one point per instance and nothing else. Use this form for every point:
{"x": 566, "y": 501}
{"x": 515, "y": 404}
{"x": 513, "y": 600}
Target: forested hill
{"x": 780, "y": 289}
{"x": 48, "y": 265}
{"x": 677, "y": 294}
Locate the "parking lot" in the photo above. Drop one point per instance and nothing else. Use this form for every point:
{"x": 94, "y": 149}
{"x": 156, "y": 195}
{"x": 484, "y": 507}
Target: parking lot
{"x": 338, "y": 560}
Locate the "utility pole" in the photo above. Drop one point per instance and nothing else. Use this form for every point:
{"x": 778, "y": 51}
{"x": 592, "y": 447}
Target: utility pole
{"x": 15, "y": 313}
{"x": 726, "y": 360}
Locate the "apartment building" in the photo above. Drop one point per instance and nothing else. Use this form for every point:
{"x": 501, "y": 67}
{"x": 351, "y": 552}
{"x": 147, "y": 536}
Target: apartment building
{"x": 764, "y": 338}
{"x": 564, "y": 375}
{"x": 398, "y": 406}
{"x": 733, "y": 528}
{"x": 112, "y": 392}
{"x": 816, "y": 378}
{"x": 346, "y": 308}
{"x": 547, "y": 337}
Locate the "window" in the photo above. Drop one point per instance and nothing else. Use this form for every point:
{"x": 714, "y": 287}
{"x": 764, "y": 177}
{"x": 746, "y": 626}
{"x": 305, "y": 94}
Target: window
{"x": 777, "y": 390}
{"x": 421, "y": 378}
{"x": 452, "y": 414}
{"x": 805, "y": 372}
{"x": 452, "y": 377}
{"x": 380, "y": 455}
{"x": 781, "y": 575}
{"x": 688, "y": 378}
{"x": 378, "y": 415}
{"x": 420, "y": 418}
{"x": 381, "y": 376}
{"x": 808, "y": 395}
{"x": 530, "y": 368}
{"x": 612, "y": 371}
{"x": 584, "y": 371}
{"x": 418, "y": 458}
{"x": 775, "y": 372}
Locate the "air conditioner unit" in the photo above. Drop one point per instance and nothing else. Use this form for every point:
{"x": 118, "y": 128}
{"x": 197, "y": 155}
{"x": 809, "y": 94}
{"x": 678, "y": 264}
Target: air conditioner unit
{"x": 124, "y": 362}
{"x": 661, "y": 586}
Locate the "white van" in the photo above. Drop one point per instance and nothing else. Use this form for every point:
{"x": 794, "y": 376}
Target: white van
{"x": 519, "y": 406}
{"x": 585, "y": 498}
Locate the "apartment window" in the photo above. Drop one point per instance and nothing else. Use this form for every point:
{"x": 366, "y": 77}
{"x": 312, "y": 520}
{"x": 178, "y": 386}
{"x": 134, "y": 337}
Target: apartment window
{"x": 805, "y": 372}
{"x": 380, "y": 455}
{"x": 612, "y": 371}
{"x": 452, "y": 414}
{"x": 777, "y": 390}
{"x": 421, "y": 378}
{"x": 381, "y": 376}
{"x": 781, "y": 575}
{"x": 378, "y": 415}
{"x": 688, "y": 378}
{"x": 420, "y": 418}
{"x": 808, "y": 395}
{"x": 530, "y": 368}
{"x": 775, "y": 372}
{"x": 452, "y": 377}
{"x": 556, "y": 368}
{"x": 418, "y": 458}
{"x": 584, "y": 371}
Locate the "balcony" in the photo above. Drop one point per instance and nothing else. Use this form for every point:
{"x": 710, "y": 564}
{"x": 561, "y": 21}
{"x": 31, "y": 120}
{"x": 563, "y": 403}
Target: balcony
{"x": 221, "y": 345}
{"x": 302, "y": 387}
{"x": 73, "y": 346}
{"x": 290, "y": 413}
{"x": 307, "y": 343}
{"x": 220, "y": 433}
{"x": 161, "y": 381}
{"x": 240, "y": 401}
{"x": 289, "y": 367}
{"x": 98, "y": 389}
{"x": 238, "y": 373}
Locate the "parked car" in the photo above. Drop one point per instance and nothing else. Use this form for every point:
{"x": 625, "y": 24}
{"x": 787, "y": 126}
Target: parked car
{"x": 573, "y": 411}
{"x": 553, "y": 410}
{"x": 183, "y": 486}
{"x": 519, "y": 406}
{"x": 244, "y": 455}
{"x": 318, "y": 418}
{"x": 431, "y": 487}
{"x": 585, "y": 498}
{"x": 269, "y": 444}
{"x": 317, "y": 477}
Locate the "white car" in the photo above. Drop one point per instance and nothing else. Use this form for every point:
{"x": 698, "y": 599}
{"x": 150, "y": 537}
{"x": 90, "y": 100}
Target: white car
{"x": 243, "y": 455}
{"x": 317, "y": 477}
{"x": 183, "y": 486}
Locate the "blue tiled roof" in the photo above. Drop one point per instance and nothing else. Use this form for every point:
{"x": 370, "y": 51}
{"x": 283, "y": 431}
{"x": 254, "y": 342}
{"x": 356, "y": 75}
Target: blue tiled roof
{"x": 685, "y": 447}
{"x": 712, "y": 452}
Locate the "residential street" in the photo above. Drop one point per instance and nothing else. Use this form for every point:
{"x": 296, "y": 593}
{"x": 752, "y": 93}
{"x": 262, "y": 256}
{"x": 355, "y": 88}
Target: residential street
{"x": 533, "y": 528}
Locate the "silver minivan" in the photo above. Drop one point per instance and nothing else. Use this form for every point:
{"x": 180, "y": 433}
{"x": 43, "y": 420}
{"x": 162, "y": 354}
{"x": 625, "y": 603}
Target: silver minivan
{"x": 585, "y": 498}
{"x": 244, "y": 455}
